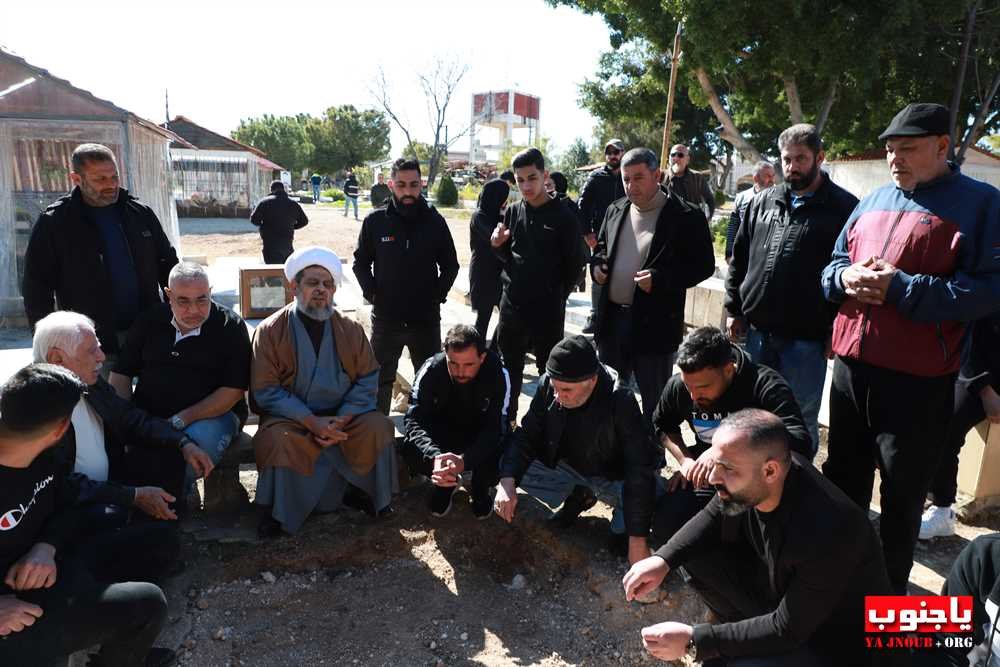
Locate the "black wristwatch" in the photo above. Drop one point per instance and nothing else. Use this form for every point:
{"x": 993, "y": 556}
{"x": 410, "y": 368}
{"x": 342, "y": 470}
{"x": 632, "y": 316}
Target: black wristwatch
{"x": 692, "y": 650}
{"x": 185, "y": 441}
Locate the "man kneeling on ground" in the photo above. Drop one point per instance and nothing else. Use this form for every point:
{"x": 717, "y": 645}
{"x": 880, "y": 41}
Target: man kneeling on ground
{"x": 780, "y": 555}
{"x": 457, "y": 420}
{"x": 717, "y": 378}
{"x": 313, "y": 382}
{"x": 51, "y": 607}
{"x": 581, "y": 440}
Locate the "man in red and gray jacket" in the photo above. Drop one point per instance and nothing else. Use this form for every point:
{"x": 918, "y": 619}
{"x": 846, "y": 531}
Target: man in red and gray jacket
{"x": 914, "y": 264}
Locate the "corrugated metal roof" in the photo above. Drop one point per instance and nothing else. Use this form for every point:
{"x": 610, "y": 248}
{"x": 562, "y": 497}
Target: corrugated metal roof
{"x": 125, "y": 113}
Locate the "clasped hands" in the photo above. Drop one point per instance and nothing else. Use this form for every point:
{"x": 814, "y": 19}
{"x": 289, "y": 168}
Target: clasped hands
{"x": 328, "y": 431}
{"x": 868, "y": 281}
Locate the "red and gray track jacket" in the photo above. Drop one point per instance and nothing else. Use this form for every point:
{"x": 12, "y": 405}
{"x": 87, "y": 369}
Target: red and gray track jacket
{"x": 944, "y": 237}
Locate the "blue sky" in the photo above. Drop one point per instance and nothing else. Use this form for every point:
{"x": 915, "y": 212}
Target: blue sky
{"x": 224, "y": 60}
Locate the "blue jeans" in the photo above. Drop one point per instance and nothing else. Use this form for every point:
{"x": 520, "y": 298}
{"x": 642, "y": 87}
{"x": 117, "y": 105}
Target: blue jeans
{"x": 347, "y": 205}
{"x": 213, "y": 435}
{"x": 803, "y": 365}
{"x": 553, "y": 486}
{"x": 316, "y": 192}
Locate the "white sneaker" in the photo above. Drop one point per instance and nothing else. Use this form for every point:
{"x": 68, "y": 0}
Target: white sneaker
{"x": 937, "y": 522}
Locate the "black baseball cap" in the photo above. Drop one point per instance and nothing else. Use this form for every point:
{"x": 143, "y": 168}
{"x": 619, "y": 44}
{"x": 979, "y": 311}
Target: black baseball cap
{"x": 920, "y": 119}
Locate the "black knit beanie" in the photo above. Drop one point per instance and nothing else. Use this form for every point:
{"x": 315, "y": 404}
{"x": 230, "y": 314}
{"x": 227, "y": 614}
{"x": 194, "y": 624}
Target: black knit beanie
{"x": 573, "y": 359}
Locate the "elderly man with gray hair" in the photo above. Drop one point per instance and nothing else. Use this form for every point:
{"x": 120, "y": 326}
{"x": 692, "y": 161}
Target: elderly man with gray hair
{"x": 190, "y": 358}
{"x": 763, "y": 178}
{"x": 652, "y": 247}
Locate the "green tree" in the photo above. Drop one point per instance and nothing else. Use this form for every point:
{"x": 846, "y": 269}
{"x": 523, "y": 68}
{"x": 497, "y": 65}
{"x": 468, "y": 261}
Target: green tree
{"x": 447, "y": 193}
{"x": 282, "y": 138}
{"x": 345, "y": 137}
{"x": 577, "y": 155}
{"x": 845, "y": 66}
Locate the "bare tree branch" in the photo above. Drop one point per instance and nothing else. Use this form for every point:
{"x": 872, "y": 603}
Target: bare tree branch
{"x": 956, "y": 96}
{"x": 381, "y": 94}
{"x": 977, "y": 125}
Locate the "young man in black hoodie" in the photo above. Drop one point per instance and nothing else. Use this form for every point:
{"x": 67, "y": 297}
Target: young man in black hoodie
{"x": 457, "y": 420}
{"x": 405, "y": 264}
{"x": 539, "y": 243}
{"x": 716, "y": 379}
{"x": 51, "y": 607}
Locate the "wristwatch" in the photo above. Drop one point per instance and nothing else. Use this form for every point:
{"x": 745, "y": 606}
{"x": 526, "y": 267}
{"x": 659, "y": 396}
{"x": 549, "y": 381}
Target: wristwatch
{"x": 177, "y": 422}
{"x": 185, "y": 441}
{"x": 692, "y": 650}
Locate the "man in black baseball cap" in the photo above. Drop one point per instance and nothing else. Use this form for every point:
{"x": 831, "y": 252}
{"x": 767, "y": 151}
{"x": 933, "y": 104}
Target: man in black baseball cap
{"x": 916, "y": 262}
{"x": 603, "y": 187}
{"x": 583, "y": 440}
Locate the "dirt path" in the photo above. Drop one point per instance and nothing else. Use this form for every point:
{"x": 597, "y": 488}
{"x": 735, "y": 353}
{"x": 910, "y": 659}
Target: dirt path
{"x": 221, "y": 237}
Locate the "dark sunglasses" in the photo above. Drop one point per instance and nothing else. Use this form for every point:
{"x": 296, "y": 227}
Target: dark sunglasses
{"x": 612, "y": 151}
{"x": 678, "y": 154}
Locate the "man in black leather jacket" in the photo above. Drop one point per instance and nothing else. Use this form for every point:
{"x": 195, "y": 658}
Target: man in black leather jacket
{"x": 582, "y": 439}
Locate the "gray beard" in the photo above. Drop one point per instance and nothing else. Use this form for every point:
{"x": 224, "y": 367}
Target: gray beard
{"x": 319, "y": 314}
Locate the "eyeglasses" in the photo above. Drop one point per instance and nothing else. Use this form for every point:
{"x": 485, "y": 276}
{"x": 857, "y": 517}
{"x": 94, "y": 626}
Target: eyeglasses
{"x": 678, "y": 154}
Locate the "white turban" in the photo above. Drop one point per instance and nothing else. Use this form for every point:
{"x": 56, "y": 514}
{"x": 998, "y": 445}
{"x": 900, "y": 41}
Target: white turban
{"x": 314, "y": 256}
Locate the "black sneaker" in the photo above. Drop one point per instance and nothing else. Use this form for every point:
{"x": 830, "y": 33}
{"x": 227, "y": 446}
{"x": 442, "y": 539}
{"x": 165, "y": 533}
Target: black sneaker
{"x": 441, "y": 500}
{"x": 588, "y": 328}
{"x": 482, "y": 504}
{"x": 578, "y": 502}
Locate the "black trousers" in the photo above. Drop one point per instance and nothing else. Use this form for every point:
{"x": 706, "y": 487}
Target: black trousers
{"x": 676, "y": 508}
{"x": 967, "y": 413}
{"x": 897, "y": 422}
{"x": 388, "y": 339}
{"x": 79, "y": 612}
{"x": 485, "y": 473}
{"x": 616, "y": 349}
{"x": 519, "y": 332}
{"x": 117, "y": 546}
{"x": 276, "y": 252}
{"x": 733, "y": 583}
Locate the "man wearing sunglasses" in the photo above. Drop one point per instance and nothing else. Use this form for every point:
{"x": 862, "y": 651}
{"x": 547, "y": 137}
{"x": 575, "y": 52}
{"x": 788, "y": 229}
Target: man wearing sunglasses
{"x": 688, "y": 184}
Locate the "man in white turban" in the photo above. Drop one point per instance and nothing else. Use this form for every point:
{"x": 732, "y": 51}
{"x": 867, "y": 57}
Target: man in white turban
{"x": 314, "y": 379}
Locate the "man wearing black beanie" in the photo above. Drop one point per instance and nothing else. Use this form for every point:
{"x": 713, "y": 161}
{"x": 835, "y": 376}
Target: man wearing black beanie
{"x": 581, "y": 440}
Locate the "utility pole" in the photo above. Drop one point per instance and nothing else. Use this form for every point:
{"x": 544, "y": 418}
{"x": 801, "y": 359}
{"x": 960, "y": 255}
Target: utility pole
{"x": 166, "y": 107}
{"x": 675, "y": 57}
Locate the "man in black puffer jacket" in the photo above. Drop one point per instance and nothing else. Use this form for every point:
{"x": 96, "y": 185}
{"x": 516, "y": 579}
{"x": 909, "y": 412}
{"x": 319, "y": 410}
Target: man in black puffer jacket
{"x": 97, "y": 251}
{"x": 582, "y": 439}
{"x": 405, "y": 264}
{"x": 457, "y": 420}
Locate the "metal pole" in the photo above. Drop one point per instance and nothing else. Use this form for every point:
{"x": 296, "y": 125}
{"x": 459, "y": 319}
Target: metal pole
{"x": 674, "y": 59}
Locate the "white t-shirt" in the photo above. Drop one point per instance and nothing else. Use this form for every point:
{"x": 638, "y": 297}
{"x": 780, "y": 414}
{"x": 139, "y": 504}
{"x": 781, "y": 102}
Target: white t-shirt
{"x": 91, "y": 457}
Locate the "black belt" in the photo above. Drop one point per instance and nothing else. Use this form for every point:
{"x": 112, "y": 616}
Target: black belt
{"x": 620, "y": 306}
